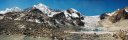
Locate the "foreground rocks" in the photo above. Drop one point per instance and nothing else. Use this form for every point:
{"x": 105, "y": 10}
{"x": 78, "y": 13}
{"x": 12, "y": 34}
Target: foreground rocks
{"x": 25, "y": 30}
{"x": 71, "y": 36}
{"x": 11, "y": 27}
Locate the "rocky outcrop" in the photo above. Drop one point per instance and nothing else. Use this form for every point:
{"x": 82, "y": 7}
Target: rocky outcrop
{"x": 103, "y": 16}
{"x": 115, "y": 16}
{"x": 115, "y": 21}
{"x": 120, "y": 14}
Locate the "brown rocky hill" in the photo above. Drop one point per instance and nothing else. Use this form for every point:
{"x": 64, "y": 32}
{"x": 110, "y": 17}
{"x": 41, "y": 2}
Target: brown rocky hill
{"x": 36, "y": 23}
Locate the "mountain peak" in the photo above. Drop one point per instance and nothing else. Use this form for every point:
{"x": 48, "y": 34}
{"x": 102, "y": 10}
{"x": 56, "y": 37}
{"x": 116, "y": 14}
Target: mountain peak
{"x": 116, "y": 15}
{"x": 41, "y": 5}
{"x": 74, "y": 9}
{"x": 14, "y": 9}
{"x": 42, "y": 8}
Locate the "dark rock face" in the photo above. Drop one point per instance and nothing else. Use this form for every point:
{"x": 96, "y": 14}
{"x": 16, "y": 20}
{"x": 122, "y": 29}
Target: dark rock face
{"x": 59, "y": 16}
{"x": 34, "y": 10}
{"x": 102, "y": 16}
{"x": 73, "y": 11}
{"x": 1, "y": 15}
{"x": 80, "y": 23}
{"x": 77, "y": 19}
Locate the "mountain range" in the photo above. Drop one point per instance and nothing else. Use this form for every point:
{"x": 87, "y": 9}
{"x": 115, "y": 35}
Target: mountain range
{"x": 40, "y": 20}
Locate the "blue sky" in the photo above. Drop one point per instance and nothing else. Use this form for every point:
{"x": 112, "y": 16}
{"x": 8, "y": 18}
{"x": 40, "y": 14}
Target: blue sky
{"x": 86, "y": 7}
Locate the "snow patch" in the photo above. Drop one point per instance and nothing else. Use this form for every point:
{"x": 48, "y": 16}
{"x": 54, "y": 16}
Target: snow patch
{"x": 74, "y": 15}
{"x": 22, "y": 26}
{"x": 66, "y": 14}
{"x": 52, "y": 14}
{"x": 110, "y": 14}
{"x": 126, "y": 10}
{"x": 1, "y": 17}
{"x": 74, "y": 9}
{"x": 37, "y": 21}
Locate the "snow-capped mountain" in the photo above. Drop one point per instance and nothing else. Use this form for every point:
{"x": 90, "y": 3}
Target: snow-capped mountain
{"x": 40, "y": 20}
{"x": 50, "y": 13}
{"x": 116, "y": 15}
{"x": 42, "y": 8}
{"x": 14, "y": 9}
{"x": 41, "y": 13}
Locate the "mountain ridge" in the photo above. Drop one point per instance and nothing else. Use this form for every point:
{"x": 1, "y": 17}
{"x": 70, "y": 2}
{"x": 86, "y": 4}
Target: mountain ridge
{"x": 43, "y": 21}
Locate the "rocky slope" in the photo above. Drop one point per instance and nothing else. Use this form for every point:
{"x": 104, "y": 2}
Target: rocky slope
{"x": 116, "y": 22}
{"x": 40, "y": 21}
{"x": 116, "y": 18}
